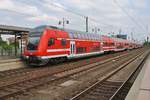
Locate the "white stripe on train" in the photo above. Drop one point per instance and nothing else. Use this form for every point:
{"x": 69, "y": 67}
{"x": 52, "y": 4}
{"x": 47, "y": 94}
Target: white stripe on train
{"x": 72, "y": 55}
{"x": 57, "y": 50}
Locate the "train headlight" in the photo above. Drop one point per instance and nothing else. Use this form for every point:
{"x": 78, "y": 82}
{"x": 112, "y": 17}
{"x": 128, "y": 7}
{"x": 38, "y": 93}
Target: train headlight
{"x": 27, "y": 57}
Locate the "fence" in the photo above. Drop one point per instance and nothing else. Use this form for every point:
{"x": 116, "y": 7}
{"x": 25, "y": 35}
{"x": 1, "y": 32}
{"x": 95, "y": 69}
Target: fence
{"x": 9, "y": 52}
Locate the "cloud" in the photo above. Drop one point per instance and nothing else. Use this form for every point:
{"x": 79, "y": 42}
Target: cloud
{"x": 107, "y": 15}
{"x": 31, "y": 12}
{"x": 140, "y": 4}
{"x": 17, "y": 7}
{"x": 54, "y": 6}
{"x": 43, "y": 17}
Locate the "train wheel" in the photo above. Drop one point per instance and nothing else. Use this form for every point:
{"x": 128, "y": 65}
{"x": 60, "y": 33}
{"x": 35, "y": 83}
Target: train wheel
{"x": 63, "y": 59}
{"x": 44, "y": 62}
{"x": 58, "y": 60}
{"x": 54, "y": 61}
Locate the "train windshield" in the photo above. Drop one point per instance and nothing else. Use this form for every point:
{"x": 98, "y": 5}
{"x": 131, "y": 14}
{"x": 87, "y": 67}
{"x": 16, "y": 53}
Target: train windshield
{"x": 33, "y": 43}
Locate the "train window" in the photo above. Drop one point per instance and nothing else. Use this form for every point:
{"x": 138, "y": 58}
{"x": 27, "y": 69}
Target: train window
{"x": 97, "y": 37}
{"x": 113, "y": 44}
{"x": 79, "y": 36}
{"x": 82, "y": 36}
{"x": 63, "y": 42}
{"x": 51, "y": 42}
{"x": 96, "y": 48}
{"x": 57, "y": 34}
{"x": 85, "y": 36}
{"x": 75, "y": 35}
{"x": 81, "y": 50}
{"x": 105, "y": 44}
{"x": 93, "y": 37}
{"x": 89, "y": 37}
{"x": 71, "y": 35}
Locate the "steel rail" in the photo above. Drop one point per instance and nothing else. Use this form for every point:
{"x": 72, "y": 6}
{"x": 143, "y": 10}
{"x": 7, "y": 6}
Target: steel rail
{"x": 77, "y": 96}
{"x": 130, "y": 76}
{"x": 40, "y": 83}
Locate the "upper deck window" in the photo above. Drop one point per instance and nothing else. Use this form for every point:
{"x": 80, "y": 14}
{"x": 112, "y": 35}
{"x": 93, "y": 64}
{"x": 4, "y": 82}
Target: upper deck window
{"x": 71, "y": 35}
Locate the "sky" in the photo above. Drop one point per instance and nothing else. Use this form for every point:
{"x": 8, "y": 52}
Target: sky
{"x": 107, "y": 15}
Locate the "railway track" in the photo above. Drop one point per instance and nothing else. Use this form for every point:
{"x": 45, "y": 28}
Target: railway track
{"x": 19, "y": 85}
{"x": 110, "y": 90}
{"x": 78, "y": 63}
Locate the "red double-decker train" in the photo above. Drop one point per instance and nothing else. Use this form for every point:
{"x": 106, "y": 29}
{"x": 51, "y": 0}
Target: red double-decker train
{"x": 49, "y": 43}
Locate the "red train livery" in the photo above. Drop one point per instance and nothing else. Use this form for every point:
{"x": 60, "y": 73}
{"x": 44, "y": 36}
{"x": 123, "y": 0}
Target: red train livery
{"x": 48, "y": 43}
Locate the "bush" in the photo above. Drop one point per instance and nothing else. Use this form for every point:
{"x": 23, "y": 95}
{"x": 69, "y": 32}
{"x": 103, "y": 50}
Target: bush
{"x": 146, "y": 43}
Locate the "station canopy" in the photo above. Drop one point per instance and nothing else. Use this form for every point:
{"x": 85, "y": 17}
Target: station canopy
{"x": 16, "y": 31}
{"x": 13, "y": 30}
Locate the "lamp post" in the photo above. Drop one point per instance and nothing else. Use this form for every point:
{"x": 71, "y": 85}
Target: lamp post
{"x": 63, "y": 22}
{"x": 95, "y": 30}
{"x": 86, "y": 24}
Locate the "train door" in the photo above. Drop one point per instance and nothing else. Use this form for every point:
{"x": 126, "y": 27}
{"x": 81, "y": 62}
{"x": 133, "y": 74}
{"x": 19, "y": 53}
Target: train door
{"x": 72, "y": 48}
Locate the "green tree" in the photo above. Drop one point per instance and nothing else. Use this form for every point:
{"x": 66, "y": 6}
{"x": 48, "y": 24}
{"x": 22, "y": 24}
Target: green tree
{"x": 146, "y": 43}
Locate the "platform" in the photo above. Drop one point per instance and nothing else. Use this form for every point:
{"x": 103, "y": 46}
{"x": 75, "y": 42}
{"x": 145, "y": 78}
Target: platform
{"x": 9, "y": 60}
{"x": 141, "y": 87}
{"x": 8, "y": 64}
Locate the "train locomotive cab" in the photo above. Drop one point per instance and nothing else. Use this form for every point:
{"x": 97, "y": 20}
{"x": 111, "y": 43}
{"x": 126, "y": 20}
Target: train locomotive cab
{"x": 34, "y": 48}
{"x": 45, "y": 44}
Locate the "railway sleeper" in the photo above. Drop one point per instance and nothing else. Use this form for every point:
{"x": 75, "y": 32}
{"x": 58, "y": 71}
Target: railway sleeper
{"x": 9, "y": 93}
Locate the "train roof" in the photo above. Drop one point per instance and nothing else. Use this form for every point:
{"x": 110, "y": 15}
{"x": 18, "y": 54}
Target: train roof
{"x": 107, "y": 39}
{"x": 83, "y": 35}
{"x": 37, "y": 31}
{"x": 73, "y": 34}
{"x": 123, "y": 40}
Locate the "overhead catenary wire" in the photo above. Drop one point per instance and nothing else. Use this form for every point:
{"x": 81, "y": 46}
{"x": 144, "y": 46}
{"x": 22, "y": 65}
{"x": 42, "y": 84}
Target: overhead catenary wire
{"x": 25, "y": 14}
{"x": 131, "y": 18}
{"x": 84, "y": 16}
{"x": 139, "y": 18}
{"x": 81, "y": 15}
{"x": 66, "y": 9}
{"x": 71, "y": 11}
{"x": 17, "y": 12}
